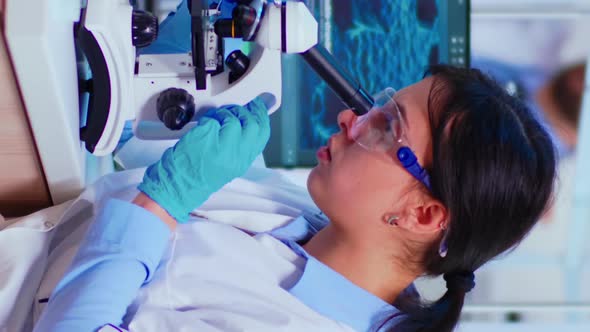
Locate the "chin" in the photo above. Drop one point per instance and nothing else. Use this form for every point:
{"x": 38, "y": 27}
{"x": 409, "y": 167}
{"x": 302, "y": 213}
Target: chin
{"x": 315, "y": 186}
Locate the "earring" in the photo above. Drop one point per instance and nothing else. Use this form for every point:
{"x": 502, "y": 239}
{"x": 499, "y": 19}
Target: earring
{"x": 442, "y": 225}
{"x": 392, "y": 220}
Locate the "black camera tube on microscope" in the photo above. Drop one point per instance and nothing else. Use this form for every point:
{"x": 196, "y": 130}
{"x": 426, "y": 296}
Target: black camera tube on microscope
{"x": 338, "y": 79}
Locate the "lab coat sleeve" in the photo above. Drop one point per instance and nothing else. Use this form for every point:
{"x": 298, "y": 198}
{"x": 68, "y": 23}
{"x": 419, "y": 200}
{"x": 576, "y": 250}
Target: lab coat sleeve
{"x": 120, "y": 252}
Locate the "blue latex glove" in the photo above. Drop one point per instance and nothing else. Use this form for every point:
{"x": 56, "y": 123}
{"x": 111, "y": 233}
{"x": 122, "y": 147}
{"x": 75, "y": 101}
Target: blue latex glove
{"x": 219, "y": 149}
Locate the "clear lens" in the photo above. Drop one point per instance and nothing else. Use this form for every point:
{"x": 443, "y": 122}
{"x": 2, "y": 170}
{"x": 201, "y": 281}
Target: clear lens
{"x": 382, "y": 128}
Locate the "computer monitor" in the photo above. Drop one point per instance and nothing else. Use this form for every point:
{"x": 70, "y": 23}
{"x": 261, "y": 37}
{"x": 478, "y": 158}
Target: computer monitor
{"x": 383, "y": 43}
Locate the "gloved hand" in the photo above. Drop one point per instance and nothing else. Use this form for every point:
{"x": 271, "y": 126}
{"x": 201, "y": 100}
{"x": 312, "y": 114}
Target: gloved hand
{"x": 220, "y": 148}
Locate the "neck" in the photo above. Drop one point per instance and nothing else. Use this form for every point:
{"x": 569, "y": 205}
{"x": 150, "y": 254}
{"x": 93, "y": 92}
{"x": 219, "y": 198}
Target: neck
{"x": 369, "y": 266}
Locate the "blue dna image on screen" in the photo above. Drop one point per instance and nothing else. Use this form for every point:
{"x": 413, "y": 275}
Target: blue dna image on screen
{"x": 383, "y": 43}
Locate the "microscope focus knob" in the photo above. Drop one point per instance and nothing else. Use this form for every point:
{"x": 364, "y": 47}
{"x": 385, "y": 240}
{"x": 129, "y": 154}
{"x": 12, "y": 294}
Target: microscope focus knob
{"x": 175, "y": 107}
{"x": 245, "y": 16}
{"x": 144, "y": 28}
{"x": 238, "y": 63}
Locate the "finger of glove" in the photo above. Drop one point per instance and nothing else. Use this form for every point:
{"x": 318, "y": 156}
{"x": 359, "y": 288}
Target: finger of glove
{"x": 259, "y": 111}
{"x": 250, "y": 125}
{"x": 231, "y": 128}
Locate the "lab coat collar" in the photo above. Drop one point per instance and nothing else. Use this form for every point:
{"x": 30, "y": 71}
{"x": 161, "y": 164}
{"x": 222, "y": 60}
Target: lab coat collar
{"x": 332, "y": 295}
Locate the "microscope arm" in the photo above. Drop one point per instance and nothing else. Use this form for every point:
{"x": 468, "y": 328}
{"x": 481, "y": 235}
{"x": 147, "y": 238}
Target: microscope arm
{"x": 338, "y": 79}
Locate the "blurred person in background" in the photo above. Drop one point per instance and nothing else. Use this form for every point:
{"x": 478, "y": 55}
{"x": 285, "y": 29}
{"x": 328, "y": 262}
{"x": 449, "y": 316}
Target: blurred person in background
{"x": 556, "y": 97}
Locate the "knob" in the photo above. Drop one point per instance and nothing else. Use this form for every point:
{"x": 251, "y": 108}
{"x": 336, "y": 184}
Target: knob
{"x": 244, "y": 16}
{"x": 240, "y": 25}
{"x": 175, "y": 107}
{"x": 238, "y": 64}
{"x": 144, "y": 28}
{"x": 228, "y": 28}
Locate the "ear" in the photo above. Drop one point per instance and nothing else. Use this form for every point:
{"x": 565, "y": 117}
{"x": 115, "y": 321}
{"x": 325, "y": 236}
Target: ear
{"x": 426, "y": 218}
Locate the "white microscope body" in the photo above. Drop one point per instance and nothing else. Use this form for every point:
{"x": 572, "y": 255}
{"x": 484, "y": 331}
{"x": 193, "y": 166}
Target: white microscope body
{"x": 137, "y": 82}
{"x": 43, "y": 38}
{"x": 54, "y": 42}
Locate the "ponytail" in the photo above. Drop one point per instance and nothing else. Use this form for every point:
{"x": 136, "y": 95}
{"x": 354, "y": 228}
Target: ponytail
{"x": 440, "y": 316}
{"x": 447, "y": 310}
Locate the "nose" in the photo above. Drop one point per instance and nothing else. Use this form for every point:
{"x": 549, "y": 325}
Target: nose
{"x": 346, "y": 119}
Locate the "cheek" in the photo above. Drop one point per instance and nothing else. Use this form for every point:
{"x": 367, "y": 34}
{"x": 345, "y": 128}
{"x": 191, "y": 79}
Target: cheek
{"x": 358, "y": 187}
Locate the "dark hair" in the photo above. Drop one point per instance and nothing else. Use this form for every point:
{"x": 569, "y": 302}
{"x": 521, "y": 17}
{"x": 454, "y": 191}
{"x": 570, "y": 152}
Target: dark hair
{"x": 493, "y": 168}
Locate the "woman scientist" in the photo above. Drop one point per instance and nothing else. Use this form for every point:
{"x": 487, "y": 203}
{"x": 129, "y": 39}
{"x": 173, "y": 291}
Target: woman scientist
{"x": 488, "y": 174}
{"x": 484, "y": 175}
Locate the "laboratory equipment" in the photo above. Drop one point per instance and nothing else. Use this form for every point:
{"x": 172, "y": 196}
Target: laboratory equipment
{"x": 92, "y": 80}
{"x": 156, "y": 80}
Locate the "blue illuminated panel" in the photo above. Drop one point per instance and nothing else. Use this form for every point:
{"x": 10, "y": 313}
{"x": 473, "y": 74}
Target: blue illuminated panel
{"x": 386, "y": 43}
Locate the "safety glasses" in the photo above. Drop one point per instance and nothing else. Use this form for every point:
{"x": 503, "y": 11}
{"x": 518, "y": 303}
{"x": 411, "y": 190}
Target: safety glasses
{"x": 383, "y": 129}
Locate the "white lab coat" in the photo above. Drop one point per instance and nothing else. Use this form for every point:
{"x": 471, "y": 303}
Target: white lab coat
{"x": 38, "y": 248}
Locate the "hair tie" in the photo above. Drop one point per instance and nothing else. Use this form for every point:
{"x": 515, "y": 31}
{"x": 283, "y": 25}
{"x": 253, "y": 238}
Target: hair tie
{"x": 464, "y": 281}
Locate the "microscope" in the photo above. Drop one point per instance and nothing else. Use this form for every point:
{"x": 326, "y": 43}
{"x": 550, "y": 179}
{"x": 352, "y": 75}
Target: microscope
{"x": 165, "y": 94}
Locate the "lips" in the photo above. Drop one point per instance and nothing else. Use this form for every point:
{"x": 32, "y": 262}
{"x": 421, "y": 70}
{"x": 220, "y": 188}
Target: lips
{"x": 323, "y": 154}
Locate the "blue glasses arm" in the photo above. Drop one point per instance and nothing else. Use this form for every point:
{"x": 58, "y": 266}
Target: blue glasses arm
{"x": 409, "y": 161}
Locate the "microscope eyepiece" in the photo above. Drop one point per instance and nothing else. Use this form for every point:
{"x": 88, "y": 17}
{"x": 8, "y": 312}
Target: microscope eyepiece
{"x": 240, "y": 25}
{"x": 238, "y": 63}
{"x": 228, "y": 28}
{"x": 244, "y": 15}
